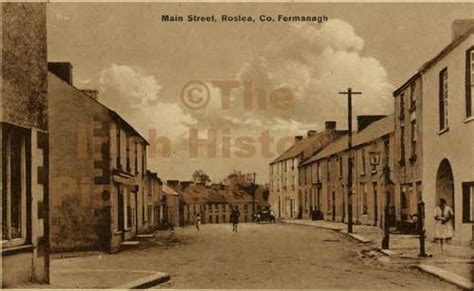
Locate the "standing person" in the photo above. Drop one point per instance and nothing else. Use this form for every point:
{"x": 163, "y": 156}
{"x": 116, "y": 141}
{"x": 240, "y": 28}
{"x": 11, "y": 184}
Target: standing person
{"x": 197, "y": 221}
{"x": 234, "y": 218}
{"x": 444, "y": 226}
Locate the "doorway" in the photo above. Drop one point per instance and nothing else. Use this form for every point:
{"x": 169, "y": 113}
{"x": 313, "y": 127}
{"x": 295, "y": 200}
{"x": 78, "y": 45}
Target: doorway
{"x": 445, "y": 184}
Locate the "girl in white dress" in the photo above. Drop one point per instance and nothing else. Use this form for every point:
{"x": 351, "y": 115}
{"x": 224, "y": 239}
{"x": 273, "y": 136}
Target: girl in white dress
{"x": 444, "y": 225}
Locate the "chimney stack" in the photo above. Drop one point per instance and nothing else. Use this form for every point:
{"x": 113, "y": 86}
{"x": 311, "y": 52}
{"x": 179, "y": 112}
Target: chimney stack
{"x": 312, "y": 132}
{"x": 298, "y": 138}
{"x": 460, "y": 27}
{"x": 174, "y": 184}
{"x": 330, "y": 125}
{"x": 91, "y": 92}
{"x": 61, "y": 69}
{"x": 365, "y": 120}
{"x": 184, "y": 184}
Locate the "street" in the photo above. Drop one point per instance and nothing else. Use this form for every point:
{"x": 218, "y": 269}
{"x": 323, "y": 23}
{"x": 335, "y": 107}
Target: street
{"x": 260, "y": 256}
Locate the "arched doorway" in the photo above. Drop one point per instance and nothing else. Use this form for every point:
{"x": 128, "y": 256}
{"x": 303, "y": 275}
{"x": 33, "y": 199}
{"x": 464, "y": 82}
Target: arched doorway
{"x": 445, "y": 183}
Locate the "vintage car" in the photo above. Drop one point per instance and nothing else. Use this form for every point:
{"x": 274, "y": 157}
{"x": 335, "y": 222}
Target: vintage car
{"x": 265, "y": 215}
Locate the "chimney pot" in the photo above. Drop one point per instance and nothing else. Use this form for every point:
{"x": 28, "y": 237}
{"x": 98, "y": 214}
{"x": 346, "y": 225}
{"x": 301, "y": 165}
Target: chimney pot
{"x": 298, "y": 138}
{"x": 460, "y": 27}
{"x": 61, "y": 69}
{"x": 311, "y": 132}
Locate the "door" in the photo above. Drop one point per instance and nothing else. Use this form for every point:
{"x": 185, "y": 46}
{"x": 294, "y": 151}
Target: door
{"x": 121, "y": 214}
{"x": 333, "y": 206}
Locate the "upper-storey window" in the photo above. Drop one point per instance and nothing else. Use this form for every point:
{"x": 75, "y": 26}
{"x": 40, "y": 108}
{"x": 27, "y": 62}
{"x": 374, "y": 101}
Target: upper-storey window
{"x": 443, "y": 99}
{"x": 119, "y": 165}
{"x": 413, "y": 95}
{"x": 127, "y": 152}
{"x": 469, "y": 82}
{"x": 402, "y": 105}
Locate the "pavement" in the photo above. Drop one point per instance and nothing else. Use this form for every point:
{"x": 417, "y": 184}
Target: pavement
{"x": 454, "y": 265}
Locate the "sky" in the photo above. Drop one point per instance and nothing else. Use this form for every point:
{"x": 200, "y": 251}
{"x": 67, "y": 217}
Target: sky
{"x": 282, "y": 79}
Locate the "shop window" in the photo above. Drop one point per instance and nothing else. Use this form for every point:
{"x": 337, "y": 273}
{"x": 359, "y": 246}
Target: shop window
{"x": 15, "y": 190}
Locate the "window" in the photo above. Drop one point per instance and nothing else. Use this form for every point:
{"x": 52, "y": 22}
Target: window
{"x": 413, "y": 138}
{"x": 318, "y": 172}
{"x": 15, "y": 159}
{"x": 127, "y": 152}
{"x": 136, "y": 158}
{"x": 402, "y": 105}
{"x": 143, "y": 160}
{"x": 363, "y": 160}
{"x": 118, "y": 147}
{"x": 468, "y": 202}
{"x": 328, "y": 176}
{"x": 340, "y": 166}
{"x": 413, "y": 95}
{"x": 443, "y": 99}
{"x": 469, "y": 81}
{"x": 402, "y": 144}
{"x": 129, "y": 210}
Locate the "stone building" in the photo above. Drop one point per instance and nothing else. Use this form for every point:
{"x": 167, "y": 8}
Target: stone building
{"x": 407, "y": 168}
{"x": 24, "y": 145}
{"x": 448, "y": 131}
{"x": 286, "y": 197}
{"x": 98, "y": 170}
{"x": 326, "y": 173}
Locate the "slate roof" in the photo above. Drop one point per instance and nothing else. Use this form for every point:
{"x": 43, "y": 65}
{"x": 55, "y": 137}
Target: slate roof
{"x": 299, "y": 147}
{"x": 199, "y": 194}
{"x": 375, "y": 130}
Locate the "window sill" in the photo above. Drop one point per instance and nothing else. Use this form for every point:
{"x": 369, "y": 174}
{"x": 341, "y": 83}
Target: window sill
{"x": 7, "y": 251}
{"x": 362, "y": 174}
{"x": 442, "y": 131}
{"x": 469, "y": 119}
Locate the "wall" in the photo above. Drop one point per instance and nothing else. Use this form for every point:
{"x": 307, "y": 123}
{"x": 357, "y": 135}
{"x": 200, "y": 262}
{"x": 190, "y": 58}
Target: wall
{"x": 24, "y": 103}
{"x": 80, "y": 169}
{"x": 455, "y": 145}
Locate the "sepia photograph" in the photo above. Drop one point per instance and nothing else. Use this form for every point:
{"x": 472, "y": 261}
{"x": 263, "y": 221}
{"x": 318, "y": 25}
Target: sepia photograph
{"x": 237, "y": 145}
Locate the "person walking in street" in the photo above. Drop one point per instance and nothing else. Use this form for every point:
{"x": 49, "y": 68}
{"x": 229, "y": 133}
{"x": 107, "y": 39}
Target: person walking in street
{"x": 234, "y": 218}
{"x": 444, "y": 227}
{"x": 197, "y": 221}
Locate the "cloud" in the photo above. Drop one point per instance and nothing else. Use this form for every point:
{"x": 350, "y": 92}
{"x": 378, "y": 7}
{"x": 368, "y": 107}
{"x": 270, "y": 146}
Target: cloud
{"x": 136, "y": 95}
{"x": 313, "y": 62}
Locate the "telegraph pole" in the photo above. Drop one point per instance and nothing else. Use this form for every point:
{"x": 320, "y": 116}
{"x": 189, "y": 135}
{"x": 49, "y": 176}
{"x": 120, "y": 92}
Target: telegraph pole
{"x": 349, "y": 94}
